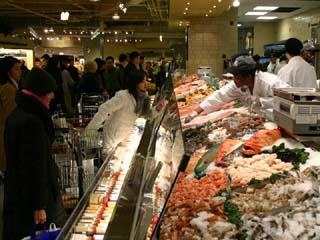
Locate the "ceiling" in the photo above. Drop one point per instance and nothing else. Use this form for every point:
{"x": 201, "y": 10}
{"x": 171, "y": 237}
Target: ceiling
{"x": 145, "y": 18}
{"x": 248, "y": 5}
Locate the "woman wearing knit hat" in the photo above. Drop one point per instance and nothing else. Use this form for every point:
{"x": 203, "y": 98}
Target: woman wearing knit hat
{"x": 32, "y": 194}
{"x": 120, "y": 113}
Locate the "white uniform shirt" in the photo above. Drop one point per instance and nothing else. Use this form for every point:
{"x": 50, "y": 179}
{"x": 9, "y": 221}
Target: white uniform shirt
{"x": 272, "y": 67}
{"x": 118, "y": 116}
{"x": 264, "y": 82}
{"x": 298, "y": 73}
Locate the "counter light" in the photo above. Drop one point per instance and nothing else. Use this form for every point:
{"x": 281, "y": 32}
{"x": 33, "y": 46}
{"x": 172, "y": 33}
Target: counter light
{"x": 255, "y": 13}
{"x": 265, "y": 8}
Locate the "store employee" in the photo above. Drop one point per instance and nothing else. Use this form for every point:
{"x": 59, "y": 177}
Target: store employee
{"x": 250, "y": 85}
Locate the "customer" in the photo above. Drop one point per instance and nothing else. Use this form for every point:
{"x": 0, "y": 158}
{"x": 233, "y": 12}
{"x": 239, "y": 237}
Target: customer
{"x": 149, "y": 72}
{"x": 74, "y": 73}
{"x": 24, "y": 72}
{"x": 90, "y": 81}
{"x": 122, "y": 65}
{"x": 120, "y": 113}
{"x": 32, "y": 194}
{"x": 250, "y": 85}
{"x": 44, "y": 60}
{"x": 53, "y": 68}
{"x": 297, "y": 73}
{"x": 133, "y": 65}
{"x": 67, "y": 84}
{"x": 100, "y": 74}
{"x": 112, "y": 79}
{"x": 10, "y": 74}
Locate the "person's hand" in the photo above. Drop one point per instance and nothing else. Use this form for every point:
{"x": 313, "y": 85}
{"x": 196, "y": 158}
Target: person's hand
{"x": 191, "y": 116}
{"x": 40, "y": 216}
{"x": 161, "y": 105}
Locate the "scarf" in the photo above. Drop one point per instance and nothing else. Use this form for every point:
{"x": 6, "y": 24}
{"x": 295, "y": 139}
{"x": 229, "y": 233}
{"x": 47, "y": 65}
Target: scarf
{"x": 142, "y": 108}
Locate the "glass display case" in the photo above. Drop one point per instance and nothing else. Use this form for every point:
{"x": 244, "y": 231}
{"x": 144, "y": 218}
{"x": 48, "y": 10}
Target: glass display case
{"x": 130, "y": 190}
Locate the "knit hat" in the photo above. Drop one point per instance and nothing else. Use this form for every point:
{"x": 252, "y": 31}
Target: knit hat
{"x": 39, "y": 82}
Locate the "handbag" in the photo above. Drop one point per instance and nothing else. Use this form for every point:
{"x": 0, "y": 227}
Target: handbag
{"x": 50, "y": 234}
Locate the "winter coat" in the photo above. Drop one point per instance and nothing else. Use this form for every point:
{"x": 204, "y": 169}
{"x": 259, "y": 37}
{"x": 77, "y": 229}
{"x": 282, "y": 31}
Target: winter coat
{"x": 112, "y": 81}
{"x": 31, "y": 178}
{"x": 67, "y": 84}
{"x": 89, "y": 83}
{"x": 263, "y": 84}
{"x": 7, "y": 104}
{"x": 118, "y": 116}
{"x": 298, "y": 73}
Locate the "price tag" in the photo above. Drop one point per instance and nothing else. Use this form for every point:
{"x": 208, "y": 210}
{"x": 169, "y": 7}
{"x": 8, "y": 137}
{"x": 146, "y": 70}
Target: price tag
{"x": 315, "y": 182}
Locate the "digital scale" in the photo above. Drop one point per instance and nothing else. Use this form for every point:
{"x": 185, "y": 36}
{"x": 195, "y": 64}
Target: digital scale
{"x": 297, "y": 110}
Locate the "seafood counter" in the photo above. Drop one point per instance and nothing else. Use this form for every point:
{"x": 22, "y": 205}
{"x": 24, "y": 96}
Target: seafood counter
{"x": 246, "y": 179}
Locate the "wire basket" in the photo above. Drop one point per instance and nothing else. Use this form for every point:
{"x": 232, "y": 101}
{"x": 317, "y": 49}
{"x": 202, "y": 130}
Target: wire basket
{"x": 90, "y": 139}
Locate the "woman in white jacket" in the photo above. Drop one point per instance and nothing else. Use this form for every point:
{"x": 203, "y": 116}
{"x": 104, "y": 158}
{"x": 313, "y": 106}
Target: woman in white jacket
{"x": 120, "y": 113}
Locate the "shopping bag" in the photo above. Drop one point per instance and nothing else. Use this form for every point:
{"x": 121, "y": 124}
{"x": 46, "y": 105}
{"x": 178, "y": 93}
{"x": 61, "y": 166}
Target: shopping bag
{"x": 50, "y": 234}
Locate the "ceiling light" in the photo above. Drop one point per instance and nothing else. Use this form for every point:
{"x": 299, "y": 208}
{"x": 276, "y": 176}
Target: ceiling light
{"x": 57, "y": 38}
{"x": 61, "y": 53}
{"x": 160, "y": 38}
{"x": 236, "y": 3}
{"x": 265, "y": 8}
{"x": 116, "y": 40}
{"x": 180, "y": 24}
{"x": 108, "y": 40}
{"x": 120, "y": 40}
{"x": 140, "y": 40}
{"x": 188, "y": 3}
{"x": 79, "y": 39}
{"x": 136, "y": 40}
{"x": 207, "y": 15}
{"x": 239, "y": 25}
{"x": 124, "y": 10}
{"x": 46, "y": 30}
{"x": 186, "y": 9}
{"x": 127, "y": 33}
{"x": 267, "y": 17}
{"x": 115, "y": 32}
{"x": 214, "y": 6}
{"x": 94, "y": 0}
{"x": 51, "y": 30}
{"x": 255, "y": 13}
{"x": 70, "y": 32}
{"x": 115, "y": 16}
{"x": 121, "y": 5}
{"x": 184, "y": 13}
{"x": 219, "y": 0}
{"x": 64, "y": 16}
{"x": 210, "y": 11}
{"x": 40, "y": 38}
{"x": 125, "y": 40}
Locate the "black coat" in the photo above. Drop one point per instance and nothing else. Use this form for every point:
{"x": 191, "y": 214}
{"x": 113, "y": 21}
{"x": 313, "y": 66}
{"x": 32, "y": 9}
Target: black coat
{"x": 89, "y": 84}
{"x": 31, "y": 178}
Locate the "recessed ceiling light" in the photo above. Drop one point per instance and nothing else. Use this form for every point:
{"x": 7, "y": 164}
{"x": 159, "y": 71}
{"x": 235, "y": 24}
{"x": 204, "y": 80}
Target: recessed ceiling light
{"x": 236, "y": 3}
{"x": 255, "y": 13}
{"x": 267, "y": 17}
{"x": 186, "y": 9}
{"x": 219, "y": 0}
{"x": 214, "y": 6}
{"x": 184, "y": 13}
{"x": 188, "y": 3}
{"x": 46, "y": 30}
{"x": 265, "y": 8}
{"x": 180, "y": 24}
{"x": 207, "y": 15}
{"x": 210, "y": 11}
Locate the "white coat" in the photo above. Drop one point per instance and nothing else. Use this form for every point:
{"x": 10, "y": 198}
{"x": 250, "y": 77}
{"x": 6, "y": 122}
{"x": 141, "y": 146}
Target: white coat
{"x": 263, "y": 84}
{"x": 118, "y": 116}
{"x": 272, "y": 67}
{"x": 298, "y": 73}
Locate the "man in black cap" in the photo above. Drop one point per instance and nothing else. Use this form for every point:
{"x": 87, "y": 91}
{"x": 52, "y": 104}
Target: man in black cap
{"x": 31, "y": 189}
{"x": 250, "y": 85}
{"x": 297, "y": 73}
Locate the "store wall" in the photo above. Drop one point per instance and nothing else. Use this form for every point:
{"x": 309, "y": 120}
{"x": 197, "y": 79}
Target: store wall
{"x": 209, "y": 38}
{"x": 91, "y": 49}
{"x": 298, "y": 26}
{"x": 264, "y": 33}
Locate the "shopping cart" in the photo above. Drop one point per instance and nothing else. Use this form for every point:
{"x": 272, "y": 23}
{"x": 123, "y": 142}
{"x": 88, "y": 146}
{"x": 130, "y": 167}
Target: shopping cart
{"x": 89, "y": 103}
{"x": 77, "y": 154}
